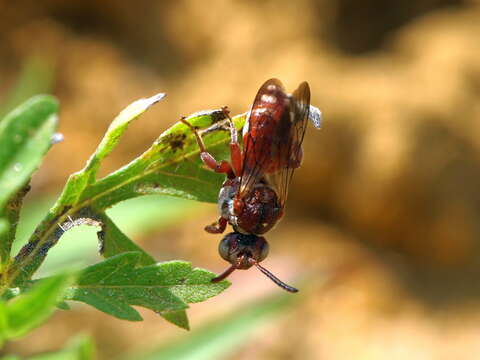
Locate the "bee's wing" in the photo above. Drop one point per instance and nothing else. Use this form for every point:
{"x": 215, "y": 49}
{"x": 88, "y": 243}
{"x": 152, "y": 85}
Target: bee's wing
{"x": 258, "y": 141}
{"x": 290, "y": 148}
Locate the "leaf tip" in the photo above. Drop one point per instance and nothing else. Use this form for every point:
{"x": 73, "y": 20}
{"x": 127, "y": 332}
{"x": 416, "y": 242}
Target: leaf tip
{"x": 157, "y": 97}
{"x": 145, "y": 103}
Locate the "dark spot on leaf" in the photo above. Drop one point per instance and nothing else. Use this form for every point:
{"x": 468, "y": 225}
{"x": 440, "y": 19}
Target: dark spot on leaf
{"x": 176, "y": 141}
{"x": 218, "y": 115}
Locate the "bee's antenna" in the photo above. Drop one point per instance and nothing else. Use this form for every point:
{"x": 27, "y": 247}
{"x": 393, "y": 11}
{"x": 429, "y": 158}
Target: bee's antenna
{"x": 275, "y": 279}
{"x": 224, "y": 275}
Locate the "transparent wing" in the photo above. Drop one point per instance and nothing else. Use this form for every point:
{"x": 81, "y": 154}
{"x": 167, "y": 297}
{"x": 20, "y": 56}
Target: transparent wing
{"x": 259, "y": 134}
{"x": 290, "y": 150}
{"x": 273, "y": 137}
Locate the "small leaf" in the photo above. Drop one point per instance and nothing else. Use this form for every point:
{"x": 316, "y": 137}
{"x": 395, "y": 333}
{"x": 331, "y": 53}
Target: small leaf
{"x": 113, "y": 242}
{"x": 172, "y": 166}
{"x": 25, "y": 136}
{"x": 220, "y": 338}
{"x": 177, "y": 317}
{"x": 117, "y": 283}
{"x": 79, "y": 348}
{"x": 30, "y": 309}
{"x": 116, "y": 130}
{"x": 78, "y": 182}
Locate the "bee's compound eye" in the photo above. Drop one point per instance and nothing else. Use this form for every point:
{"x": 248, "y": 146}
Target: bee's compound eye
{"x": 224, "y": 249}
{"x": 228, "y": 247}
{"x": 264, "y": 248}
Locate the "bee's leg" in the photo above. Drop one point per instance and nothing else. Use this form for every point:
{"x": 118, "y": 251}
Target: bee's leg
{"x": 222, "y": 167}
{"x": 235, "y": 151}
{"x": 217, "y": 227}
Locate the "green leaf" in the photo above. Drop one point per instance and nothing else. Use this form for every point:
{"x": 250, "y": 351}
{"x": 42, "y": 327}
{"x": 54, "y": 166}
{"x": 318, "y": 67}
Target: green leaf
{"x": 79, "y": 348}
{"x": 78, "y": 182}
{"x": 220, "y": 338}
{"x": 150, "y": 213}
{"x": 30, "y": 309}
{"x": 177, "y": 317}
{"x": 48, "y": 232}
{"x": 116, "y": 130}
{"x": 25, "y": 135}
{"x": 113, "y": 242}
{"x": 170, "y": 167}
{"x": 114, "y": 285}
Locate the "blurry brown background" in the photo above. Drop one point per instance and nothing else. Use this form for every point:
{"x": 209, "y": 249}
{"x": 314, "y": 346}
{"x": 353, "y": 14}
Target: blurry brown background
{"x": 386, "y": 205}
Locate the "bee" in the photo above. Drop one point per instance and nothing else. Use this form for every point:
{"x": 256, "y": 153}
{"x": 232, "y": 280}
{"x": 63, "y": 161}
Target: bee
{"x": 253, "y": 195}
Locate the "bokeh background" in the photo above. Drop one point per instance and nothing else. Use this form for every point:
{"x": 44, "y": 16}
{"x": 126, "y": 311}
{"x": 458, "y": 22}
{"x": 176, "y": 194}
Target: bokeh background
{"x": 382, "y": 230}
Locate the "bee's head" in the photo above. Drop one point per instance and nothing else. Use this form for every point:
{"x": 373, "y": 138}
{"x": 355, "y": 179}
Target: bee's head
{"x": 243, "y": 251}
